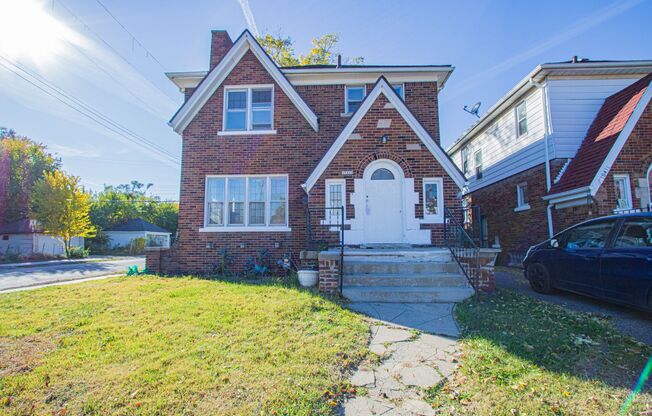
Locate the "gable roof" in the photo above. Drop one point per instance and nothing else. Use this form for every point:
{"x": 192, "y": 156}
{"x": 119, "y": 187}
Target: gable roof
{"x": 382, "y": 86}
{"x": 24, "y": 226}
{"x": 633, "y": 68}
{"x": 605, "y": 138}
{"x": 245, "y": 42}
{"x": 137, "y": 224}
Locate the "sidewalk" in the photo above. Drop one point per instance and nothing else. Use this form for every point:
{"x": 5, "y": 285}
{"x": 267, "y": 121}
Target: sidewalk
{"x": 89, "y": 259}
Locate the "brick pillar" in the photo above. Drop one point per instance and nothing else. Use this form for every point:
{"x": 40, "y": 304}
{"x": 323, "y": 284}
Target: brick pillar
{"x": 486, "y": 280}
{"x": 153, "y": 259}
{"x": 329, "y": 272}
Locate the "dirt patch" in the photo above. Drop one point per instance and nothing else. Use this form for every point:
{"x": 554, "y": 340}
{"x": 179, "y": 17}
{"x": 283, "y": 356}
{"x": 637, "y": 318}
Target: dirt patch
{"x": 21, "y": 355}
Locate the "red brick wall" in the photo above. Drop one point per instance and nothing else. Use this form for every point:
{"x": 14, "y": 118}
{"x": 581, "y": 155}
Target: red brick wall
{"x": 356, "y": 154}
{"x": 516, "y": 231}
{"x": 519, "y": 230}
{"x": 295, "y": 150}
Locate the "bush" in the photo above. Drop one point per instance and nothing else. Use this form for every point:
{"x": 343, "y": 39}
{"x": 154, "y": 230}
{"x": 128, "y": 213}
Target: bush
{"x": 79, "y": 253}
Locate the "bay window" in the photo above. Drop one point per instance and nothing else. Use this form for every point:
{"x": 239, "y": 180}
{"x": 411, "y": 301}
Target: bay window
{"x": 248, "y": 109}
{"x": 246, "y": 203}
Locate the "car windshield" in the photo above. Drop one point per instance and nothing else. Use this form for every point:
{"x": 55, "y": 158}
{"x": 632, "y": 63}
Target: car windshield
{"x": 592, "y": 235}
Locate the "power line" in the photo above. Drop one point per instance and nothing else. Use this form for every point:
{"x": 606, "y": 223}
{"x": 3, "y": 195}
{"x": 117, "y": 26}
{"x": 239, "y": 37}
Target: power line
{"x": 133, "y": 38}
{"x": 108, "y": 45}
{"x": 87, "y": 107}
{"x": 86, "y": 110}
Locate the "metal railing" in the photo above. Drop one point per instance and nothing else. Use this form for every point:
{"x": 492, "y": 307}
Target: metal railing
{"x": 462, "y": 246}
{"x": 326, "y": 231}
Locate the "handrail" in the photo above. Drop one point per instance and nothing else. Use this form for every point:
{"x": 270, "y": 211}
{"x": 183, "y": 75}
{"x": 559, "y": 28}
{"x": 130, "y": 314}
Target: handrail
{"x": 463, "y": 248}
{"x": 312, "y": 242}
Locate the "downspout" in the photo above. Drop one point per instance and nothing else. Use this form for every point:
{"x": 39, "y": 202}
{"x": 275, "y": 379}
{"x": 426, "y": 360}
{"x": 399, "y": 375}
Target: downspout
{"x": 546, "y": 123}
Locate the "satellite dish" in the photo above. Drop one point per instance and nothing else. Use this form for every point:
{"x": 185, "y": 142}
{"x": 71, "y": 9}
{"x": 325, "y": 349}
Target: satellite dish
{"x": 473, "y": 110}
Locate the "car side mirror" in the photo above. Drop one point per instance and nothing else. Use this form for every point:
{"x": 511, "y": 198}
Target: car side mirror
{"x": 554, "y": 243}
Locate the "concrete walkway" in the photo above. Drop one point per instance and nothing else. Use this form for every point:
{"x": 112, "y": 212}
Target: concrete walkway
{"x": 410, "y": 361}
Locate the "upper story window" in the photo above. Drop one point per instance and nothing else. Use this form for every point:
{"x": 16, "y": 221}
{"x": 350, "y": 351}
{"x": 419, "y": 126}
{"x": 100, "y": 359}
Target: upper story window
{"x": 354, "y": 97}
{"x": 465, "y": 161}
{"x": 623, "y": 192}
{"x": 478, "y": 164}
{"x": 248, "y": 108}
{"x": 245, "y": 203}
{"x": 400, "y": 90}
{"x": 521, "y": 119}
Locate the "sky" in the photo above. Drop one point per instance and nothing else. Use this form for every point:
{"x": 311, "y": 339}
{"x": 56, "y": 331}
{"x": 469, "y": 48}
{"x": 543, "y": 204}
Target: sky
{"x": 86, "y": 77}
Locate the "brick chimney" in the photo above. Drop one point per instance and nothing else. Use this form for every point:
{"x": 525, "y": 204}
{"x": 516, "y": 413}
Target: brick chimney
{"x": 220, "y": 44}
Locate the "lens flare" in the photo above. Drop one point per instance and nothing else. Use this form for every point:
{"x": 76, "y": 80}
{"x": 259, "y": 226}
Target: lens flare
{"x": 29, "y": 31}
{"x": 645, "y": 375}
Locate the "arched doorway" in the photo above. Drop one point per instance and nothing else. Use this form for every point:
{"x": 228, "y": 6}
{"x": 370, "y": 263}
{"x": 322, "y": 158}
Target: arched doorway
{"x": 383, "y": 205}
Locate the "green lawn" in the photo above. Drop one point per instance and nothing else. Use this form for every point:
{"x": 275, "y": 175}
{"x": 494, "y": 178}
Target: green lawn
{"x": 522, "y": 356}
{"x": 147, "y": 345}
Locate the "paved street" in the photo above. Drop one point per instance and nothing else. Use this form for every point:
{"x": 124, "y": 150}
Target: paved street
{"x": 37, "y": 275}
{"x": 629, "y": 321}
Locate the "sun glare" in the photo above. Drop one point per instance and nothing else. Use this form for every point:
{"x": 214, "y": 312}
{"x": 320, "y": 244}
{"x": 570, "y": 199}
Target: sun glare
{"x": 28, "y": 31}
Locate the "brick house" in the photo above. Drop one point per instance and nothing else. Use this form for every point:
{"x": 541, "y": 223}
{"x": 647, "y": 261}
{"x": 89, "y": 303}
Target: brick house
{"x": 263, "y": 143}
{"x": 565, "y": 128}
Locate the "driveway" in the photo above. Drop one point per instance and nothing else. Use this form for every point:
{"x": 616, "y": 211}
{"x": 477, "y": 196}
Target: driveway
{"x": 629, "y": 321}
{"x": 51, "y": 273}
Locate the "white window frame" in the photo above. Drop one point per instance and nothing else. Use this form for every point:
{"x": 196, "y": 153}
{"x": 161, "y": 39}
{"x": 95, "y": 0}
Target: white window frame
{"x": 475, "y": 164}
{"x": 628, "y": 191}
{"x": 327, "y": 199}
{"x": 517, "y": 116}
{"x": 432, "y": 218}
{"x": 346, "y": 95}
{"x": 402, "y": 94}
{"x": 248, "y": 112}
{"x": 268, "y": 227}
{"x": 464, "y": 155}
{"x": 520, "y": 204}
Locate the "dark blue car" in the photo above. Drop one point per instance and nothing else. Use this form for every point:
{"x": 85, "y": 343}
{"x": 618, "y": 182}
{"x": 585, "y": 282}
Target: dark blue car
{"x": 608, "y": 258}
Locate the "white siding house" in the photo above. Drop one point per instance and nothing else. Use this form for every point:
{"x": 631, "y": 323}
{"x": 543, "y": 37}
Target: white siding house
{"x": 25, "y": 238}
{"x": 128, "y": 232}
{"x": 561, "y": 101}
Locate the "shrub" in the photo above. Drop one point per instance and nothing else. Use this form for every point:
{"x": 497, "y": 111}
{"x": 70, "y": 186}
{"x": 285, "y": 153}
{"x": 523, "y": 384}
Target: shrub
{"x": 79, "y": 252}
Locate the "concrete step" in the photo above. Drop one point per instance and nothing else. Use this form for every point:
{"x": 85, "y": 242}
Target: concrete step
{"x": 415, "y": 294}
{"x": 402, "y": 280}
{"x": 428, "y": 254}
{"x": 357, "y": 267}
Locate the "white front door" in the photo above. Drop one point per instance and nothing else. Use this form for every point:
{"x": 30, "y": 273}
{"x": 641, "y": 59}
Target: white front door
{"x": 383, "y": 217}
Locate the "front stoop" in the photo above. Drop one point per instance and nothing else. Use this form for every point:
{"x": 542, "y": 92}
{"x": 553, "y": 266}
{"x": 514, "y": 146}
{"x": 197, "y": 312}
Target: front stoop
{"x": 418, "y": 275}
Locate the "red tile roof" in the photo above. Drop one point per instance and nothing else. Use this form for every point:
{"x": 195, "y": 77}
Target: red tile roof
{"x": 601, "y": 136}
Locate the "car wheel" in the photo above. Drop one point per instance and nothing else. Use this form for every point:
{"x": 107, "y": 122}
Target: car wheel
{"x": 539, "y": 278}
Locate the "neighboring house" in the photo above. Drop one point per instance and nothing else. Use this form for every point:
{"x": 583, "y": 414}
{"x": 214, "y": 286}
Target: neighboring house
{"x": 262, "y": 144}
{"x": 125, "y": 234}
{"x": 26, "y": 238}
{"x": 533, "y": 156}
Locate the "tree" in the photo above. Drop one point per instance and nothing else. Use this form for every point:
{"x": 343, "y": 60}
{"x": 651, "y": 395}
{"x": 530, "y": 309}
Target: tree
{"x": 22, "y": 163}
{"x": 281, "y": 50}
{"x": 62, "y": 208}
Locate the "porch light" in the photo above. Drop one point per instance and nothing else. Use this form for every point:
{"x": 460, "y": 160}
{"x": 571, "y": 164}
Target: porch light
{"x": 384, "y": 138}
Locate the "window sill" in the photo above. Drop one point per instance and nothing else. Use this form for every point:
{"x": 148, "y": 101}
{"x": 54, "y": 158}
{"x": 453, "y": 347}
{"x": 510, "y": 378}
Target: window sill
{"x": 346, "y": 114}
{"x": 245, "y": 132}
{"x": 242, "y": 229}
{"x": 522, "y": 208}
{"x": 432, "y": 220}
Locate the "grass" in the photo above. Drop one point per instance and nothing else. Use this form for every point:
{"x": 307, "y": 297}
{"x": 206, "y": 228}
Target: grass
{"x": 157, "y": 346}
{"x": 522, "y": 356}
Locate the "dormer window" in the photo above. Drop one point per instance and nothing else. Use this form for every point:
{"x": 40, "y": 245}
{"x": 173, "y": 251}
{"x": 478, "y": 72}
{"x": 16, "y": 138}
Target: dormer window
{"x": 521, "y": 119}
{"x": 248, "y": 109}
{"x": 354, "y": 97}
